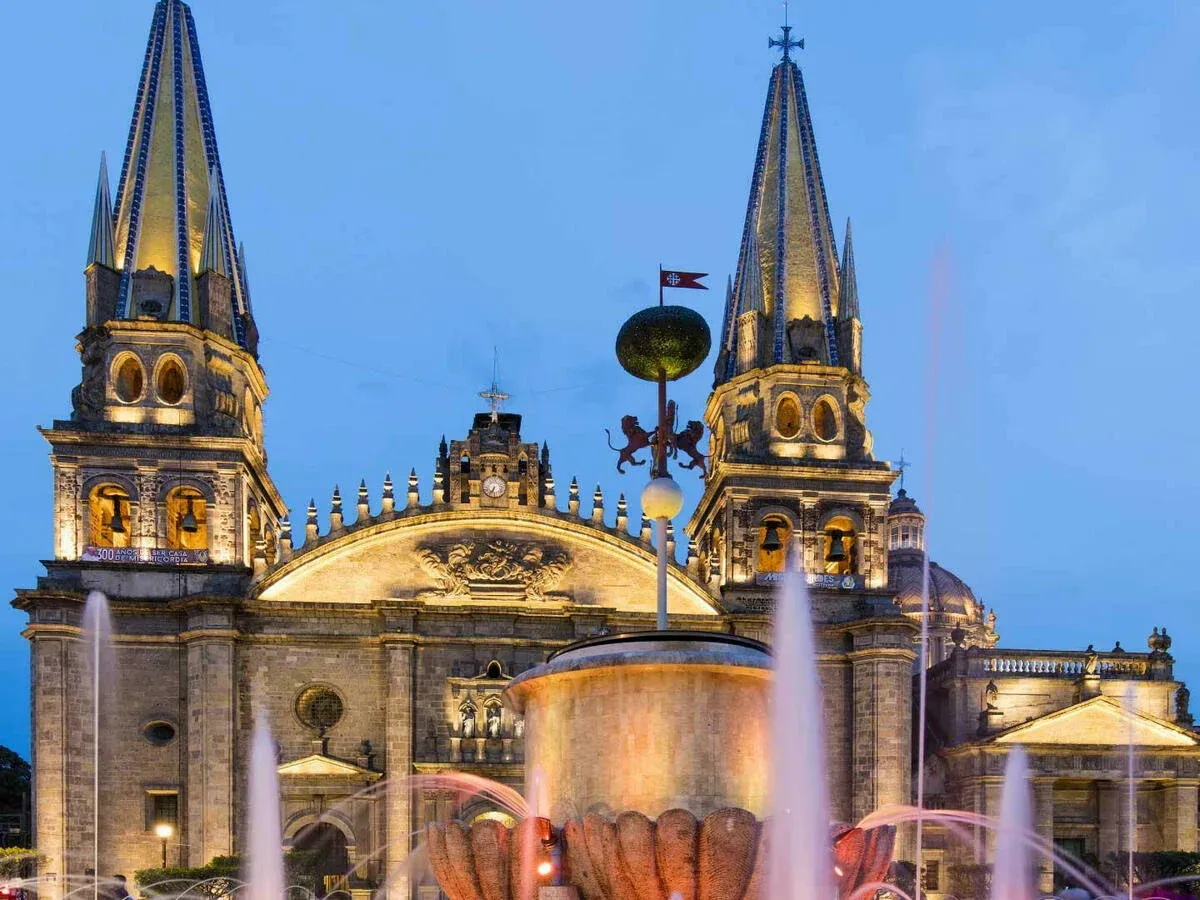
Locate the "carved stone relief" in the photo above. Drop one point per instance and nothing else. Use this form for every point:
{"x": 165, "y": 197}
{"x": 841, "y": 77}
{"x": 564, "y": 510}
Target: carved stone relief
{"x": 473, "y": 567}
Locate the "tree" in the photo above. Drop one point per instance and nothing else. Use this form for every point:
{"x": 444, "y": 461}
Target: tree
{"x": 14, "y": 782}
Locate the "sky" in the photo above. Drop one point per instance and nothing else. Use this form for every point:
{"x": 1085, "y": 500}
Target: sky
{"x": 417, "y": 184}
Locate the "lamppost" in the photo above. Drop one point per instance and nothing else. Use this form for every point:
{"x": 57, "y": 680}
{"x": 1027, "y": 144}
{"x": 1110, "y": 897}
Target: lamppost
{"x": 164, "y": 830}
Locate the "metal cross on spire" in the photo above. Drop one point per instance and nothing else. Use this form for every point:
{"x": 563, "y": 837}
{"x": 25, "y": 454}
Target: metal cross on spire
{"x": 901, "y": 465}
{"x": 786, "y": 42}
{"x": 494, "y": 395}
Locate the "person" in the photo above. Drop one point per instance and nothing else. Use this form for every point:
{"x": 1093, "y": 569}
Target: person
{"x": 120, "y": 888}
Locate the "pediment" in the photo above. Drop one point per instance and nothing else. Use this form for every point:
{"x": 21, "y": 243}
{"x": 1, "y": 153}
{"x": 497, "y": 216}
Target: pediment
{"x": 318, "y": 766}
{"x": 527, "y": 559}
{"x": 1100, "y": 721}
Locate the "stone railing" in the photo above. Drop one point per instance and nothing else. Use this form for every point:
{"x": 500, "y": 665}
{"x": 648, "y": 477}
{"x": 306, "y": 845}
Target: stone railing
{"x": 979, "y": 662}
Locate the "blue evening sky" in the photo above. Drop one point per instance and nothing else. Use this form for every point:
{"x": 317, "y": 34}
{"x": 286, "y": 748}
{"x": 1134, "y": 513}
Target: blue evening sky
{"x": 417, "y": 182}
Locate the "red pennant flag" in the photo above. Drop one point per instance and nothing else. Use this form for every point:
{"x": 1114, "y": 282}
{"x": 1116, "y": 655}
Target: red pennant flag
{"x": 672, "y": 279}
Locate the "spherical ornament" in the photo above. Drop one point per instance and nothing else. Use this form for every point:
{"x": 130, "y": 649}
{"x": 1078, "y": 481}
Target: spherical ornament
{"x": 673, "y": 340}
{"x": 662, "y": 498}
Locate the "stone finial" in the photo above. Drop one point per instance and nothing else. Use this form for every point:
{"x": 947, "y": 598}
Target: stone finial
{"x": 336, "y": 522}
{"x": 622, "y": 513}
{"x": 598, "y": 506}
{"x": 1117, "y": 648}
{"x": 670, "y": 538}
{"x": 310, "y": 523}
{"x": 387, "y": 503}
{"x": 957, "y": 635}
{"x": 644, "y": 532}
{"x": 550, "y": 501}
{"x": 285, "y": 539}
{"x": 364, "y": 503}
{"x": 443, "y": 450}
{"x": 439, "y": 490}
{"x": 693, "y": 558}
{"x": 1159, "y": 643}
{"x": 573, "y": 497}
{"x": 545, "y": 458}
{"x": 414, "y": 489}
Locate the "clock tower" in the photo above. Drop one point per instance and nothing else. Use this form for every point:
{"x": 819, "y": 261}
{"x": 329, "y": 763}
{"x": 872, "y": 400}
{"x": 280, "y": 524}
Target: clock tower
{"x": 492, "y": 468}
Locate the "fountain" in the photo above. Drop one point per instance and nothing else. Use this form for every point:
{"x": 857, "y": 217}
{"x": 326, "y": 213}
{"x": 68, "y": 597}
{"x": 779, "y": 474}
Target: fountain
{"x": 1012, "y": 875}
{"x": 97, "y": 631}
{"x": 652, "y": 755}
{"x": 265, "y": 879}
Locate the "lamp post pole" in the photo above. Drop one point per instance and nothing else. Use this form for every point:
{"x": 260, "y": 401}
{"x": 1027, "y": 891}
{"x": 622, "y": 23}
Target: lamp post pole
{"x": 164, "y": 830}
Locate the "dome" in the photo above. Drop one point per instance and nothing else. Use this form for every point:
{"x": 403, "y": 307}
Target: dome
{"x": 903, "y": 504}
{"x": 949, "y": 595}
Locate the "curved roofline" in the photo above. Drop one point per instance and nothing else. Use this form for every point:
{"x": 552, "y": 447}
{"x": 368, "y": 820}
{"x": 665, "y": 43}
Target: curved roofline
{"x": 427, "y": 518}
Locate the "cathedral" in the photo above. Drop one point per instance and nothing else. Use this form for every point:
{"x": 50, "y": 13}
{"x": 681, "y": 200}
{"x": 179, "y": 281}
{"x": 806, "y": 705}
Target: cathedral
{"x": 379, "y": 638}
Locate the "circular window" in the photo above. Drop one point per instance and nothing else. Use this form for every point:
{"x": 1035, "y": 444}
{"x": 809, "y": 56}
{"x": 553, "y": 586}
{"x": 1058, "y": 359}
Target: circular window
{"x": 825, "y": 420}
{"x": 130, "y": 381}
{"x": 171, "y": 382}
{"x": 787, "y": 417}
{"x": 319, "y": 707}
{"x": 160, "y": 733}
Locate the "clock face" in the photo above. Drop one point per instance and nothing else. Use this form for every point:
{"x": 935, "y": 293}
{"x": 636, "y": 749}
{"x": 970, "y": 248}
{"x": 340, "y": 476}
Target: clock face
{"x": 495, "y": 486}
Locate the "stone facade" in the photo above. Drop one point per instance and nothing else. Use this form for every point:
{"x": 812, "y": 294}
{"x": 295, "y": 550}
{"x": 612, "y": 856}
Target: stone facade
{"x": 379, "y": 644}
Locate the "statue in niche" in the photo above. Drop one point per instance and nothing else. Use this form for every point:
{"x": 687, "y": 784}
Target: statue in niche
{"x": 466, "y": 715}
{"x": 519, "y": 729}
{"x": 492, "y": 720}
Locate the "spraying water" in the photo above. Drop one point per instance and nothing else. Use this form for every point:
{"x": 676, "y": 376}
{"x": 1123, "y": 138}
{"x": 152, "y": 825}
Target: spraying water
{"x": 800, "y": 864}
{"x": 265, "y": 877}
{"x": 1011, "y": 873}
{"x": 97, "y": 635}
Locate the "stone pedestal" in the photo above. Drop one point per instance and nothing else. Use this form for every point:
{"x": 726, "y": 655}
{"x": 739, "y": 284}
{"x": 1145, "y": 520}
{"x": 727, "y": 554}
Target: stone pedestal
{"x": 558, "y": 893}
{"x": 649, "y": 722}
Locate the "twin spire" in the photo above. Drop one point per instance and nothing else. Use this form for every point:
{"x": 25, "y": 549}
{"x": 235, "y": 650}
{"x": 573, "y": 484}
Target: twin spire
{"x": 171, "y": 213}
{"x": 788, "y": 270}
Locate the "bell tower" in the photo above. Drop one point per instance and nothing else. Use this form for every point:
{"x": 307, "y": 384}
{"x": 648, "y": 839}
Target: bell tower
{"x": 162, "y": 460}
{"x": 792, "y": 472}
{"x": 792, "y": 480}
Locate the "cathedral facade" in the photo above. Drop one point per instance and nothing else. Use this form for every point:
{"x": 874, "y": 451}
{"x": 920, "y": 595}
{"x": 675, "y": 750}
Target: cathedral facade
{"x": 379, "y": 639}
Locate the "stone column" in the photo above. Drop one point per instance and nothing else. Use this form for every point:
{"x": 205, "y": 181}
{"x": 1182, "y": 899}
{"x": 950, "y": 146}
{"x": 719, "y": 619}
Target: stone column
{"x": 207, "y": 826}
{"x": 882, "y": 709}
{"x": 52, "y": 760}
{"x": 1179, "y": 815}
{"x": 1110, "y": 814}
{"x": 398, "y": 761}
{"x": 1043, "y": 823}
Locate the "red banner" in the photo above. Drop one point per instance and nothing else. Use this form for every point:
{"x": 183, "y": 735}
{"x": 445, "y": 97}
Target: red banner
{"x": 669, "y": 278}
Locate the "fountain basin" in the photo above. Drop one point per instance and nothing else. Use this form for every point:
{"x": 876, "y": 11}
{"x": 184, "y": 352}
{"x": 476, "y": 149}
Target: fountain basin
{"x": 719, "y": 857}
{"x": 647, "y": 722}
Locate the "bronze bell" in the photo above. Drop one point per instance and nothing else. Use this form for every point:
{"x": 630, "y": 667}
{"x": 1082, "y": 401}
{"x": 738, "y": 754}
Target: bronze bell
{"x": 837, "y": 550}
{"x": 117, "y": 524}
{"x": 771, "y": 542}
{"x": 188, "y": 523}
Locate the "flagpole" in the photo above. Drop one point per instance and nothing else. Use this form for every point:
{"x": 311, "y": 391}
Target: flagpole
{"x": 660, "y": 285}
{"x": 660, "y": 451}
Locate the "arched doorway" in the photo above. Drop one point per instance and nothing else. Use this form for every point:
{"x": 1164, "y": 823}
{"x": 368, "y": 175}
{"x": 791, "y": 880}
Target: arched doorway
{"x": 329, "y": 860}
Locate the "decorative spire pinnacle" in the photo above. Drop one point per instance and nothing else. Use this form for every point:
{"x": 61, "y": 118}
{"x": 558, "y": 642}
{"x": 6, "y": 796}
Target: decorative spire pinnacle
{"x": 171, "y": 169}
{"x": 598, "y": 506}
{"x": 214, "y": 251}
{"x": 622, "y": 513}
{"x": 414, "y": 490}
{"x": 101, "y": 244}
{"x": 847, "y": 280}
{"x": 310, "y": 522}
{"x": 573, "y": 496}
{"x": 336, "y": 520}
{"x": 787, "y": 229}
{"x": 387, "y": 501}
{"x": 364, "y": 503}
